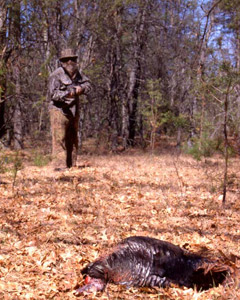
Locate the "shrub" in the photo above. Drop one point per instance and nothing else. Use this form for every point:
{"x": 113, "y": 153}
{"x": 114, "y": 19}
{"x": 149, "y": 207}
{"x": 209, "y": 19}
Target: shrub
{"x": 204, "y": 147}
{"x": 40, "y": 160}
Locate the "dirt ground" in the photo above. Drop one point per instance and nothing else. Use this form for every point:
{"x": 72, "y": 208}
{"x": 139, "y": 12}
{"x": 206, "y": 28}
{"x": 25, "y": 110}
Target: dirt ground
{"x": 53, "y": 223}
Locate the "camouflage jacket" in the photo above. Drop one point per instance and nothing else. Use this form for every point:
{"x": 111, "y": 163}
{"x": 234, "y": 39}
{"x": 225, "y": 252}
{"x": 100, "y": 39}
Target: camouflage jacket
{"x": 60, "y": 85}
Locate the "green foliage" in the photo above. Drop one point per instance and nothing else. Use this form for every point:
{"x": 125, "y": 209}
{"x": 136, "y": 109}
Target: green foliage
{"x": 153, "y": 104}
{"x": 2, "y": 72}
{"x": 11, "y": 88}
{"x": 40, "y": 160}
{"x": 2, "y": 78}
{"x": 4, "y": 160}
{"x": 151, "y": 108}
{"x": 10, "y": 163}
{"x": 41, "y": 100}
{"x": 204, "y": 147}
{"x": 107, "y": 34}
{"x": 44, "y": 70}
{"x": 174, "y": 121}
{"x": 232, "y": 8}
{"x": 230, "y": 149}
{"x": 157, "y": 112}
{"x": 17, "y": 166}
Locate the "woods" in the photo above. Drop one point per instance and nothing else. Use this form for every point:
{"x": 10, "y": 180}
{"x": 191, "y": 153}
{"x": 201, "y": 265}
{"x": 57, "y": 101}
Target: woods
{"x": 159, "y": 136}
{"x": 186, "y": 48}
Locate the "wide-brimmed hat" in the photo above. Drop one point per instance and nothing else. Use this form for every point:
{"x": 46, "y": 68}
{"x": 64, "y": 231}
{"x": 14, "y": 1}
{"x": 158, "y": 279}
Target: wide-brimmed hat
{"x": 67, "y": 53}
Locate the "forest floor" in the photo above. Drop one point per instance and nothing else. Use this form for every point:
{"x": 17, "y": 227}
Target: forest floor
{"x": 53, "y": 223}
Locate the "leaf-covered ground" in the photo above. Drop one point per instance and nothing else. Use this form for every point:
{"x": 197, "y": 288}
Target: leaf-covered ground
{"x": 54, "y": 223}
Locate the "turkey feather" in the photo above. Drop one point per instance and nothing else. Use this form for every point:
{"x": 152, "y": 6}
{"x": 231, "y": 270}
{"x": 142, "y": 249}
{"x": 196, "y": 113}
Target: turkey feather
{"x": 144, "y": 261}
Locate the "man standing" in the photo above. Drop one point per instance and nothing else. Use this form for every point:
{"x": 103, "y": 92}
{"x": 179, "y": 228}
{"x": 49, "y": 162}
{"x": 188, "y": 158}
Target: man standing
{"x": 66, "y": 84}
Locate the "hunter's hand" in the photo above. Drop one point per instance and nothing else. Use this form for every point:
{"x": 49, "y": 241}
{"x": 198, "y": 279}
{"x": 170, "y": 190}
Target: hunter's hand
{"x": 72, "y": 92}
{"x": 78, "y": 90}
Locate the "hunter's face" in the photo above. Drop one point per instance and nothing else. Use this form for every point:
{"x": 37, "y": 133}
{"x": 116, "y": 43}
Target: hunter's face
{"x": 70, "y": 65}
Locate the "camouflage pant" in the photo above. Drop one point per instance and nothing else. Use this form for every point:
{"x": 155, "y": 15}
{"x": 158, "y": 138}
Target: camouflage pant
{"x": 64, "y": 139}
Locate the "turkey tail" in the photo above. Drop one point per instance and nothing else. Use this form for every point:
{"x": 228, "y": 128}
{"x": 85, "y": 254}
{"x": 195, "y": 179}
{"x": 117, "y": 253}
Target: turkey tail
{"x": 209, "y": 274}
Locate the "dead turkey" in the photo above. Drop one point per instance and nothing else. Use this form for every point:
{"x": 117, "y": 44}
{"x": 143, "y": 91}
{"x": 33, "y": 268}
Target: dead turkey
{"x": 148, "y": 262}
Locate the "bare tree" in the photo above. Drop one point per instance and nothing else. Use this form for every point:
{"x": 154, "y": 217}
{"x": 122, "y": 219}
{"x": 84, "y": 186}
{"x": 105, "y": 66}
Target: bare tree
{"x": 4, "y": 54}
{"x": 130, "y": 104}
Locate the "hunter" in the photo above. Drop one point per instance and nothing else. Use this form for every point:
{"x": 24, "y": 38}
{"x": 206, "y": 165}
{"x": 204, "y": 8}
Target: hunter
{"x": 66, "y": 86}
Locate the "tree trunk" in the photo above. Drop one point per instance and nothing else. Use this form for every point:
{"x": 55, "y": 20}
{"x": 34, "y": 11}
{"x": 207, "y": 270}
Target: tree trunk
{"x": 112, "y": 85}
{"x": 130, "y": 105}
{"x": 238, "y": 86}
{"x": 80, "y": 12}
{"x": 17, "y": 118}
{"x": 2, "y": 100}
{"x": 225, "y": 132}
{"x": 201, "y": 61}
{"x": 87, "y": 56}
{"x": 3, "y": 48}
{"x": 114, "y": 80}
{"x": 133, "y": 101}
